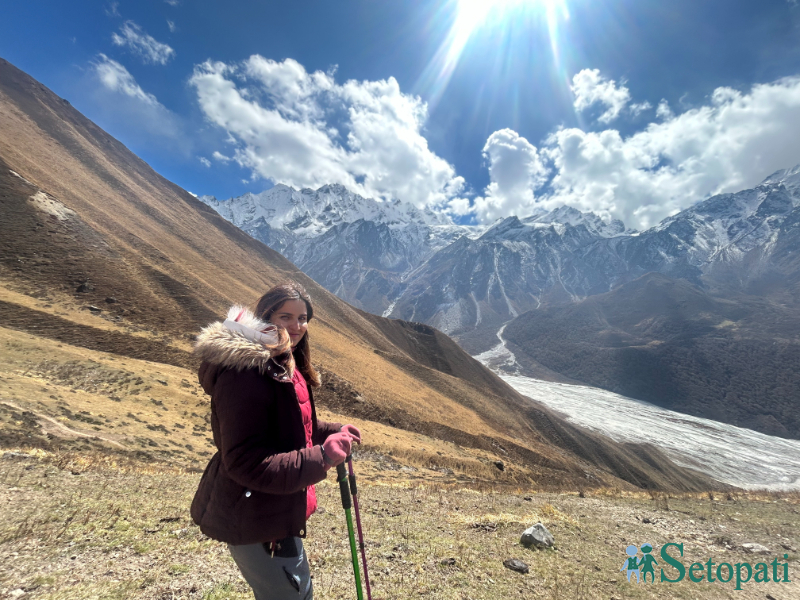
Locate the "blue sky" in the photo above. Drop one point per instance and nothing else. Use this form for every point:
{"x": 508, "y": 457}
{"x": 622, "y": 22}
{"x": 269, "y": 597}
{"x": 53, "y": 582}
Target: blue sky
{"x": 631, "y": 108}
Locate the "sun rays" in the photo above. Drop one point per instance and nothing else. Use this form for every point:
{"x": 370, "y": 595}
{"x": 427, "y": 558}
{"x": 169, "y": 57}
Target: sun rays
{"x": 510, "y": 21}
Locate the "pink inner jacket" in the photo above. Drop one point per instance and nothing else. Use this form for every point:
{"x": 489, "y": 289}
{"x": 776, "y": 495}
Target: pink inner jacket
{"x": 305, "y": 408}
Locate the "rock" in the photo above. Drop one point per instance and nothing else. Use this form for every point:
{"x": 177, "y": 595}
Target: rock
{"x": 788, "y": 547}
{"x": 500, "y": 465}
{"x": 17, "y": 593}
{"x": 755, "y": 548}
{"x": 538, "y": 536}
{"x": 16, "y": 456}
{"x": 111, "y": 300}
{"x": 449, "y": 562}
{"x": 516, "y": 565}
{"x": 94, "y": 309}
{"x": 528, "y": 499}
{"x": 648, "y": 520}
{"x": 85, "y": 287}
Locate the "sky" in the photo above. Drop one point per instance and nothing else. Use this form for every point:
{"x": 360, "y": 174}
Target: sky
{"x": 481, "y": 109}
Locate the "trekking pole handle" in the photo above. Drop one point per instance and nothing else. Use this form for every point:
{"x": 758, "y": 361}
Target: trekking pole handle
{"x": 341, "y": 477}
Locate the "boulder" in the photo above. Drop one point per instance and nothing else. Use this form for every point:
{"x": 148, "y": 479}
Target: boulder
{"x": 538, "y": 536}
{"x": 755, "y": 548}
{"x": 516, "y": 565}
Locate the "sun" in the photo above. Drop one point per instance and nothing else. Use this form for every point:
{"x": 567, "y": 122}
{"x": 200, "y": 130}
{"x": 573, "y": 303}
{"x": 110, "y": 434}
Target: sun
{"x": 474, "y": 14}
{"x": 469, "y": 16}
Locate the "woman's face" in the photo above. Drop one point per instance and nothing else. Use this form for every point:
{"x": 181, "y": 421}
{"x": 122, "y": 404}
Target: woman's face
{"x": 292, "y": 315}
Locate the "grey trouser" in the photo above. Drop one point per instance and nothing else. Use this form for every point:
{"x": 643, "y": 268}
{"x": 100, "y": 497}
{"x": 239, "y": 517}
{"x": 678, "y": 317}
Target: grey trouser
{"x": 274, "y": 577}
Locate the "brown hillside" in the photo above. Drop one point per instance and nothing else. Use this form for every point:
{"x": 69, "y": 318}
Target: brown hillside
{"x": 98, "y": 251}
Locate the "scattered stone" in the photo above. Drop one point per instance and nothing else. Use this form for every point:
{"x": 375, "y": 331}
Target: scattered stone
{"x": 111, "y": 300}
{"x": 500, "y": 465}
{"x": 648, "y": 520}
{"x": 755, "y": 548}
{"x": 16, "y": 456}
{"x": 538, "y": 536}
{"x": 84, "y": 288}
{"x": 17, "y": 593}
{"x": 94, "y": 309}
{"x": 161, "y": 381}
{"x": 449, "y": 562}
{"x": 516, "y": 565}
{"x": 788, "y": 547}
{"x": 528, "y": 499}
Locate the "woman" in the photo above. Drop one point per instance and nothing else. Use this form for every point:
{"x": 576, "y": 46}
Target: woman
{"x": 258, "y": 489}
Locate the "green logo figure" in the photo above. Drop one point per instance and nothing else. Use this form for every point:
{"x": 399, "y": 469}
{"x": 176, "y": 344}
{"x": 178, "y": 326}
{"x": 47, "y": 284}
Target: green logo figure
{"x": 647, "y": 562}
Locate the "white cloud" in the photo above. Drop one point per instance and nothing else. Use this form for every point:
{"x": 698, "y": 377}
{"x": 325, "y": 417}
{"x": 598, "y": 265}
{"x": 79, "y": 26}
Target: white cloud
{"x": 664, "y": 111}
{"x": 731, "y": 144}
{"x": 305, "y": 129}
{"x": 172, "y": 27}
{"x": 112, "y": 9}
{"x": 204, "y": 161}
{"x": 592, "y": 88}
{"x": 116, "y": 78}
{"x": 637, "y": 109}
{"x": 221, "y": 157}
{"x": 125, "y": 109}
{"x": 516, "y": 170}
{"x": 151, "y": 51}
{"x": 173, "y": 2}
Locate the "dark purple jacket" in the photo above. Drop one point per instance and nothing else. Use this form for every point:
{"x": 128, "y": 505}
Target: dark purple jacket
{"x": 254, "y": 488}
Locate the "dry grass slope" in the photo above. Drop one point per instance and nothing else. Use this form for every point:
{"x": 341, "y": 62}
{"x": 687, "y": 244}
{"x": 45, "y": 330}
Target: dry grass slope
{"x": 81, "y": 526}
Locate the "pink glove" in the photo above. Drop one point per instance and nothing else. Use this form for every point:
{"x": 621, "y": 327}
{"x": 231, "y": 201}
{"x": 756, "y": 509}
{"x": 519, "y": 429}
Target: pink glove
{"x": 353, "y": 431}
{"x": 336, "y": 448}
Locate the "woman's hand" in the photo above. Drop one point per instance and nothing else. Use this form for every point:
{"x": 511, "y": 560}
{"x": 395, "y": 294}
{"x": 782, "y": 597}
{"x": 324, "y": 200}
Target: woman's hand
{"x": 337, "y": 448}
{"x": 353, "y": 431}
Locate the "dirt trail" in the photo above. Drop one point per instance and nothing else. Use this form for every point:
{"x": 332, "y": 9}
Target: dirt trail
{"x": 55, "y": 427}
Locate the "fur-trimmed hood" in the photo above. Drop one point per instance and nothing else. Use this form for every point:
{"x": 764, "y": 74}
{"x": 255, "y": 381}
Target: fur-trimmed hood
{"x": 243, "y": 341}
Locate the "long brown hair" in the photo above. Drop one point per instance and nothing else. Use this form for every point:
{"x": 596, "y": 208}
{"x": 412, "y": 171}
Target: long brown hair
{"x": 272, "y": 301}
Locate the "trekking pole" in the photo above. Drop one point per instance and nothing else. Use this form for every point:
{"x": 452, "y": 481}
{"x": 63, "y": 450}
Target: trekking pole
{"x": 354, "y": 492}
{"x": 341, "y": 475}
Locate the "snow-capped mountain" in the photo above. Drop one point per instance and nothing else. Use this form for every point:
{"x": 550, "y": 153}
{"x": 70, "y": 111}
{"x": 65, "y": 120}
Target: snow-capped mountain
{"x": 472, "y": 287}
{"x": 359, "y": 248}
{"x": 393, "y": 259}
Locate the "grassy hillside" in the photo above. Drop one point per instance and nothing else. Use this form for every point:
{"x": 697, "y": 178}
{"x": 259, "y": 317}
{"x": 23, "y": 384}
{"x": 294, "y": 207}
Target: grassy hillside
{"x": 84, "y": 526}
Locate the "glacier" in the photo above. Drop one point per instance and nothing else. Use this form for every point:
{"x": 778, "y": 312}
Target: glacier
{"x": 730, "y": 454}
